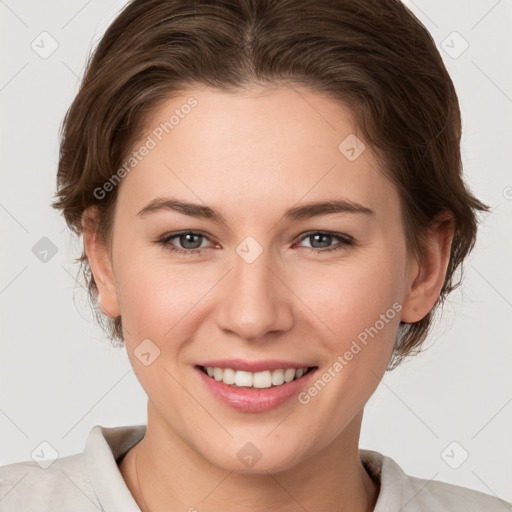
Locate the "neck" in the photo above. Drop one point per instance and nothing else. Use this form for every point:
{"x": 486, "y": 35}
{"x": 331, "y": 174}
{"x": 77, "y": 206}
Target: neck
{"x": 164, "y": 473}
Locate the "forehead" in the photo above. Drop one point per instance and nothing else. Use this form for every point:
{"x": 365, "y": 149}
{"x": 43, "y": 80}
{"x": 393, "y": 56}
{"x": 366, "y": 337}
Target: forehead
{"x": 254, "y": 147}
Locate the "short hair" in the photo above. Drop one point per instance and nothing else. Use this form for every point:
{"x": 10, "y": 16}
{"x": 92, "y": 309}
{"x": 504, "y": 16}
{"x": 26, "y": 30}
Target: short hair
{"x": 372, "y": 56}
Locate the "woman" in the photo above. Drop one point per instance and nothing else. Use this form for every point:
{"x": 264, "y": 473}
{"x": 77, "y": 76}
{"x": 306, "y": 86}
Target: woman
{"x": 272, "y": 206}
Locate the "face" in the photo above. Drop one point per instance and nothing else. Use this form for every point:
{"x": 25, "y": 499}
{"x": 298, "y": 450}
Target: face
{"x": 254, "y": 278}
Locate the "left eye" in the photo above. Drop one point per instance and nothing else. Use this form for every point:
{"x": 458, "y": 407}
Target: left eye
{"x": 326, "y": 238}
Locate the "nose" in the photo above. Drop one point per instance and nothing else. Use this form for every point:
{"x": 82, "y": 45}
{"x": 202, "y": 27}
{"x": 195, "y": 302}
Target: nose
{"x": 257, "y": 300}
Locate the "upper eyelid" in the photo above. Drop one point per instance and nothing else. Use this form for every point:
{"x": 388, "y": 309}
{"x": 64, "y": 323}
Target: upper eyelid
{"x": 334, "y": 234}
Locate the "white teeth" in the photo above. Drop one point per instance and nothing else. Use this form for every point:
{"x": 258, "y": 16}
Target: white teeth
{"x": 229, "y": 376}
{"x": 242, "y": 378}
{"x": 289, "y": 374}
{"x": 277, "y": 377}
{"x": 264, "y": 379}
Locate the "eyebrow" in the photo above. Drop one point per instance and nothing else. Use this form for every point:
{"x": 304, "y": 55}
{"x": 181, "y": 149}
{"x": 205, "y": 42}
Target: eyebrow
{"x": 305, "y": 211}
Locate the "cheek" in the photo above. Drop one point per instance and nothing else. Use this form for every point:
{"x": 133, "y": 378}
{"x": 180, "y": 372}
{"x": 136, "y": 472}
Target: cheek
{"x": 348, "y": 298}
{"x": 155, "y": 294}
{"x": 158, "y": 304}
{"x": 165, "y": 303}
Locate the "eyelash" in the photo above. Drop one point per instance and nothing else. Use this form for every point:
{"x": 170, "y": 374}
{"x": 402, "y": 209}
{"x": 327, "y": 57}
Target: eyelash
{"x": 165, "y": 242}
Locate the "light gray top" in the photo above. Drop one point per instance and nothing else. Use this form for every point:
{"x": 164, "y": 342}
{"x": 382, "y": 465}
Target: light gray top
{"x": 91, "y": 481}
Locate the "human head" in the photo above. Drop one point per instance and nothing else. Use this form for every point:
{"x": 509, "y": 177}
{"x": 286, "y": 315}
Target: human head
{"x": 403, "y": 103}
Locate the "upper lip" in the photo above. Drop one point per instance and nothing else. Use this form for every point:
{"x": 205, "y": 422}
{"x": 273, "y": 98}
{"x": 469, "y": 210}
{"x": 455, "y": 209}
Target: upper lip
{"x": 254, "y": 366}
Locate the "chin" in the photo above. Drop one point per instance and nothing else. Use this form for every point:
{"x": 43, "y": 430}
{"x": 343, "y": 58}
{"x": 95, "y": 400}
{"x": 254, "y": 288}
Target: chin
{"x": 248, "y": 458}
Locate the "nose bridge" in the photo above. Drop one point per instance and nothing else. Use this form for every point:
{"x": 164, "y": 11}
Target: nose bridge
{"x": 256, "y": 302}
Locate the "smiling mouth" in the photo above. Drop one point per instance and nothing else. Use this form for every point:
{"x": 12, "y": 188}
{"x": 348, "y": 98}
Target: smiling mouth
{"x": 256, "y": 380}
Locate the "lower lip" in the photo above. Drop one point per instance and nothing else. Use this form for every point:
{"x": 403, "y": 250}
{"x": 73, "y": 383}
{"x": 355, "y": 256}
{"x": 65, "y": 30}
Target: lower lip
{"x": 255, "y": 399}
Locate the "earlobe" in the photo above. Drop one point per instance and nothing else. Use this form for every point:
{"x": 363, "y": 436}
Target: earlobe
{"x": 101, "y": 266}
{"x": 428, "y": 272}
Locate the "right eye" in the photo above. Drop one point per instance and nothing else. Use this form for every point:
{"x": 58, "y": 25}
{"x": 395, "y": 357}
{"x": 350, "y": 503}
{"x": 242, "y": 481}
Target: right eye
{"x": 186, "y": 239}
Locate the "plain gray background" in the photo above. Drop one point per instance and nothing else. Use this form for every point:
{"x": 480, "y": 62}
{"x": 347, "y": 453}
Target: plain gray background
{"x": 59, "y": 374}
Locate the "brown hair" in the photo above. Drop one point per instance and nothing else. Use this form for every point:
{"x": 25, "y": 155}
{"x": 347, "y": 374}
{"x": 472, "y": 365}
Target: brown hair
{"x": 373, "y": 56}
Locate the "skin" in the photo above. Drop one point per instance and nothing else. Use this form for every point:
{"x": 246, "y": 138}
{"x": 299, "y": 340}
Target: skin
{"x": 252, "y": 155}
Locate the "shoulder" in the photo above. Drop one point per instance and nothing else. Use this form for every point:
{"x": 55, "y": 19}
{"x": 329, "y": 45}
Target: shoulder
{"x": 400, "y": 491}
{"x": 63, "y": 485}
{"x": 442, "y": 496}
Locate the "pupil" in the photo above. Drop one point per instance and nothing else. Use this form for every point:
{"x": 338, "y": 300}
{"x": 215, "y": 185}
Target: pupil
{"x": 326, "y": 243}
{"x": 185, "y": 241}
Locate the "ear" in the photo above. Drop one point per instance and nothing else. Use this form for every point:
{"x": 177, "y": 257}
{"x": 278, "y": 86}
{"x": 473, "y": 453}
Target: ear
{"x": 100, "y": 263}
{"x": 427, "y": 272}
